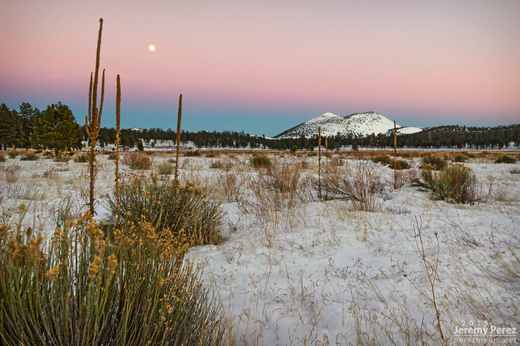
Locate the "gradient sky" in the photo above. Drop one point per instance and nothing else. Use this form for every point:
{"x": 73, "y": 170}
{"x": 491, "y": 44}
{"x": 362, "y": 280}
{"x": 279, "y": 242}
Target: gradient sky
{"x": 265, "y": 66}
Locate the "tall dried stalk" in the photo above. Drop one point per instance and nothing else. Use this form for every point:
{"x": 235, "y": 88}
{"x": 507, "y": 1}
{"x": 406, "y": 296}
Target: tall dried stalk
{"x": 319, "y": 162}
{"x": 118, "y": 139}
{"x": 93, "y": 120}
{"x": 178, "y": 138}
{"x": 432, "y": 270}
{"x": 396, "y": 163}
{"x": 326, "y": 164}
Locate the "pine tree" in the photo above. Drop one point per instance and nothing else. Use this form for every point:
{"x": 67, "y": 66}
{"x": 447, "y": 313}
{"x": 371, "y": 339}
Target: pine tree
{"x": 29, "y": 118}
{"x": 7, "y": 126}
{"x": 56, "y": 128}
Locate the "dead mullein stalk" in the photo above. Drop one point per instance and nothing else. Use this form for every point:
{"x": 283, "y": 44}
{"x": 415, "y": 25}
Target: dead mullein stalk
{"x": 326, "y": 166}
{"x": 319, "y": 162}
{"x": 93, "y": 120}
{"x": 178, "y": 138}
{"x": 118, "y": 139}
{"x": 396, "y": 163}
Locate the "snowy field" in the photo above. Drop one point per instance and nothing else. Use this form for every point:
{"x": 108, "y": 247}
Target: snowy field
{"x": 295, "y": 269}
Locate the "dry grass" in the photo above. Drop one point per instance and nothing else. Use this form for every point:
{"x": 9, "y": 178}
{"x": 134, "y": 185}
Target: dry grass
{"x": 230, "y": 185}
{"x": 137, "y": 160}
{"x": 359, "y": 182}
{"x": 384, "y": 304}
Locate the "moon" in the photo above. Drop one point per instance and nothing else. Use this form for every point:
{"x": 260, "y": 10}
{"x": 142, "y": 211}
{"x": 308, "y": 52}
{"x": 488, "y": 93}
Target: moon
{"x": 151, "y": 48}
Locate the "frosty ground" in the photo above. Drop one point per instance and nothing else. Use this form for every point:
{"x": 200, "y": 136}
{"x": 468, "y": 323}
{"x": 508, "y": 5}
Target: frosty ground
{"x": 296, "y": 269}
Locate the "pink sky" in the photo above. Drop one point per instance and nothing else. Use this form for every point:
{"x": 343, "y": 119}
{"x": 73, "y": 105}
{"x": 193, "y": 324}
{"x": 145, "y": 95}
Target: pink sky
{"x": 422, "y": 63}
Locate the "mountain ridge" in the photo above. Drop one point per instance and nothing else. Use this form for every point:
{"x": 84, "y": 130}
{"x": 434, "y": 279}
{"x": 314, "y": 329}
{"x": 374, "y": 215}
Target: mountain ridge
{"x": 356, "y": 124}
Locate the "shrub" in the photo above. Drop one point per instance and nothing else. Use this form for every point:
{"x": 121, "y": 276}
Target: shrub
{"x": 137, "y": 160}
{"x": 2, "y": 157}
{"x": 260, "y": 161}
{"x": 81, "y": 158}
{"x": 470, "y": 155}
{"x": 217, "y": 164}
{"x": 89, "y": 290}
{"x": 29, "y": 157}
{"x": 165, "y": 169}
{"x": 455, "y": 184}
{"x": 61, "y": 158}
{"x": 383, "y": 159}
{"x": 399, "y": 164}
{"x": 460, "y": 158}
{"x": 13, "y": 154}
{"x": 168, "y": 205}
{"x": 311, "y": 154}
{"x": 505, "y": 159}
{"x": 434, "y": 162}
{"x": 231, "y": 186}
{"x": 360, "y": 183}
{"x": 112, "y": 156}
{"x": 12, "y": 173}
{"x": 280, "y": 177}
{"x": 192, "y": 153}
{"x": 294, "y": 149}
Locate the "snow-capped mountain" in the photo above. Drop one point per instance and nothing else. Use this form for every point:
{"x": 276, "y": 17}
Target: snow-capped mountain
{"x": 357, "y": 124}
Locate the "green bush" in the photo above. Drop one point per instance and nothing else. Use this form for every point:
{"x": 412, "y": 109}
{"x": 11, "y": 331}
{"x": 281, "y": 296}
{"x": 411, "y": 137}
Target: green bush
{"x": 192, "y": 153}
{"x": 217, "y": 164}
{"x": 13, "y": 154}
{"x": 434, "y": 162}
{"x": 383, "y": 159}
{"x": 399, "y": 164}
{"x": 294, "y": 149}
{"x": 460, "y": 158}
{"x": 168, "y": 205}
{"x": 455, "y": 184}
{"x": 85, "y": 289}
{"x": 165, "y": 169}
{"x": 470, "y": 155}
{"x": 260, "y": 161}
{"x": 505, "y": 159}
{"x": 29, "y": 157}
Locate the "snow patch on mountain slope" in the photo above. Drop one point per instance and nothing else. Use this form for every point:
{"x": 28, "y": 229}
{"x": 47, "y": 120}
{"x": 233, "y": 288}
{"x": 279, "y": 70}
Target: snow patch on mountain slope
{"x": 357, "y": 124}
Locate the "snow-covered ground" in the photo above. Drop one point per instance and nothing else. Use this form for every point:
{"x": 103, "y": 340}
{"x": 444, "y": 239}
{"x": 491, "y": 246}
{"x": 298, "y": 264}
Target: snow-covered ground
{"x": 295, "y": 269}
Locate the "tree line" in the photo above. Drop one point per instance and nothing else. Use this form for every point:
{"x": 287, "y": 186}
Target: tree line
{"x": 56, "y": 128}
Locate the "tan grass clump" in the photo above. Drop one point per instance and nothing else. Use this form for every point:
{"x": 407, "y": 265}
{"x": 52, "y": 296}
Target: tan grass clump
{"x": 359, "y": 182}
{"x": 137, "y": 160}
